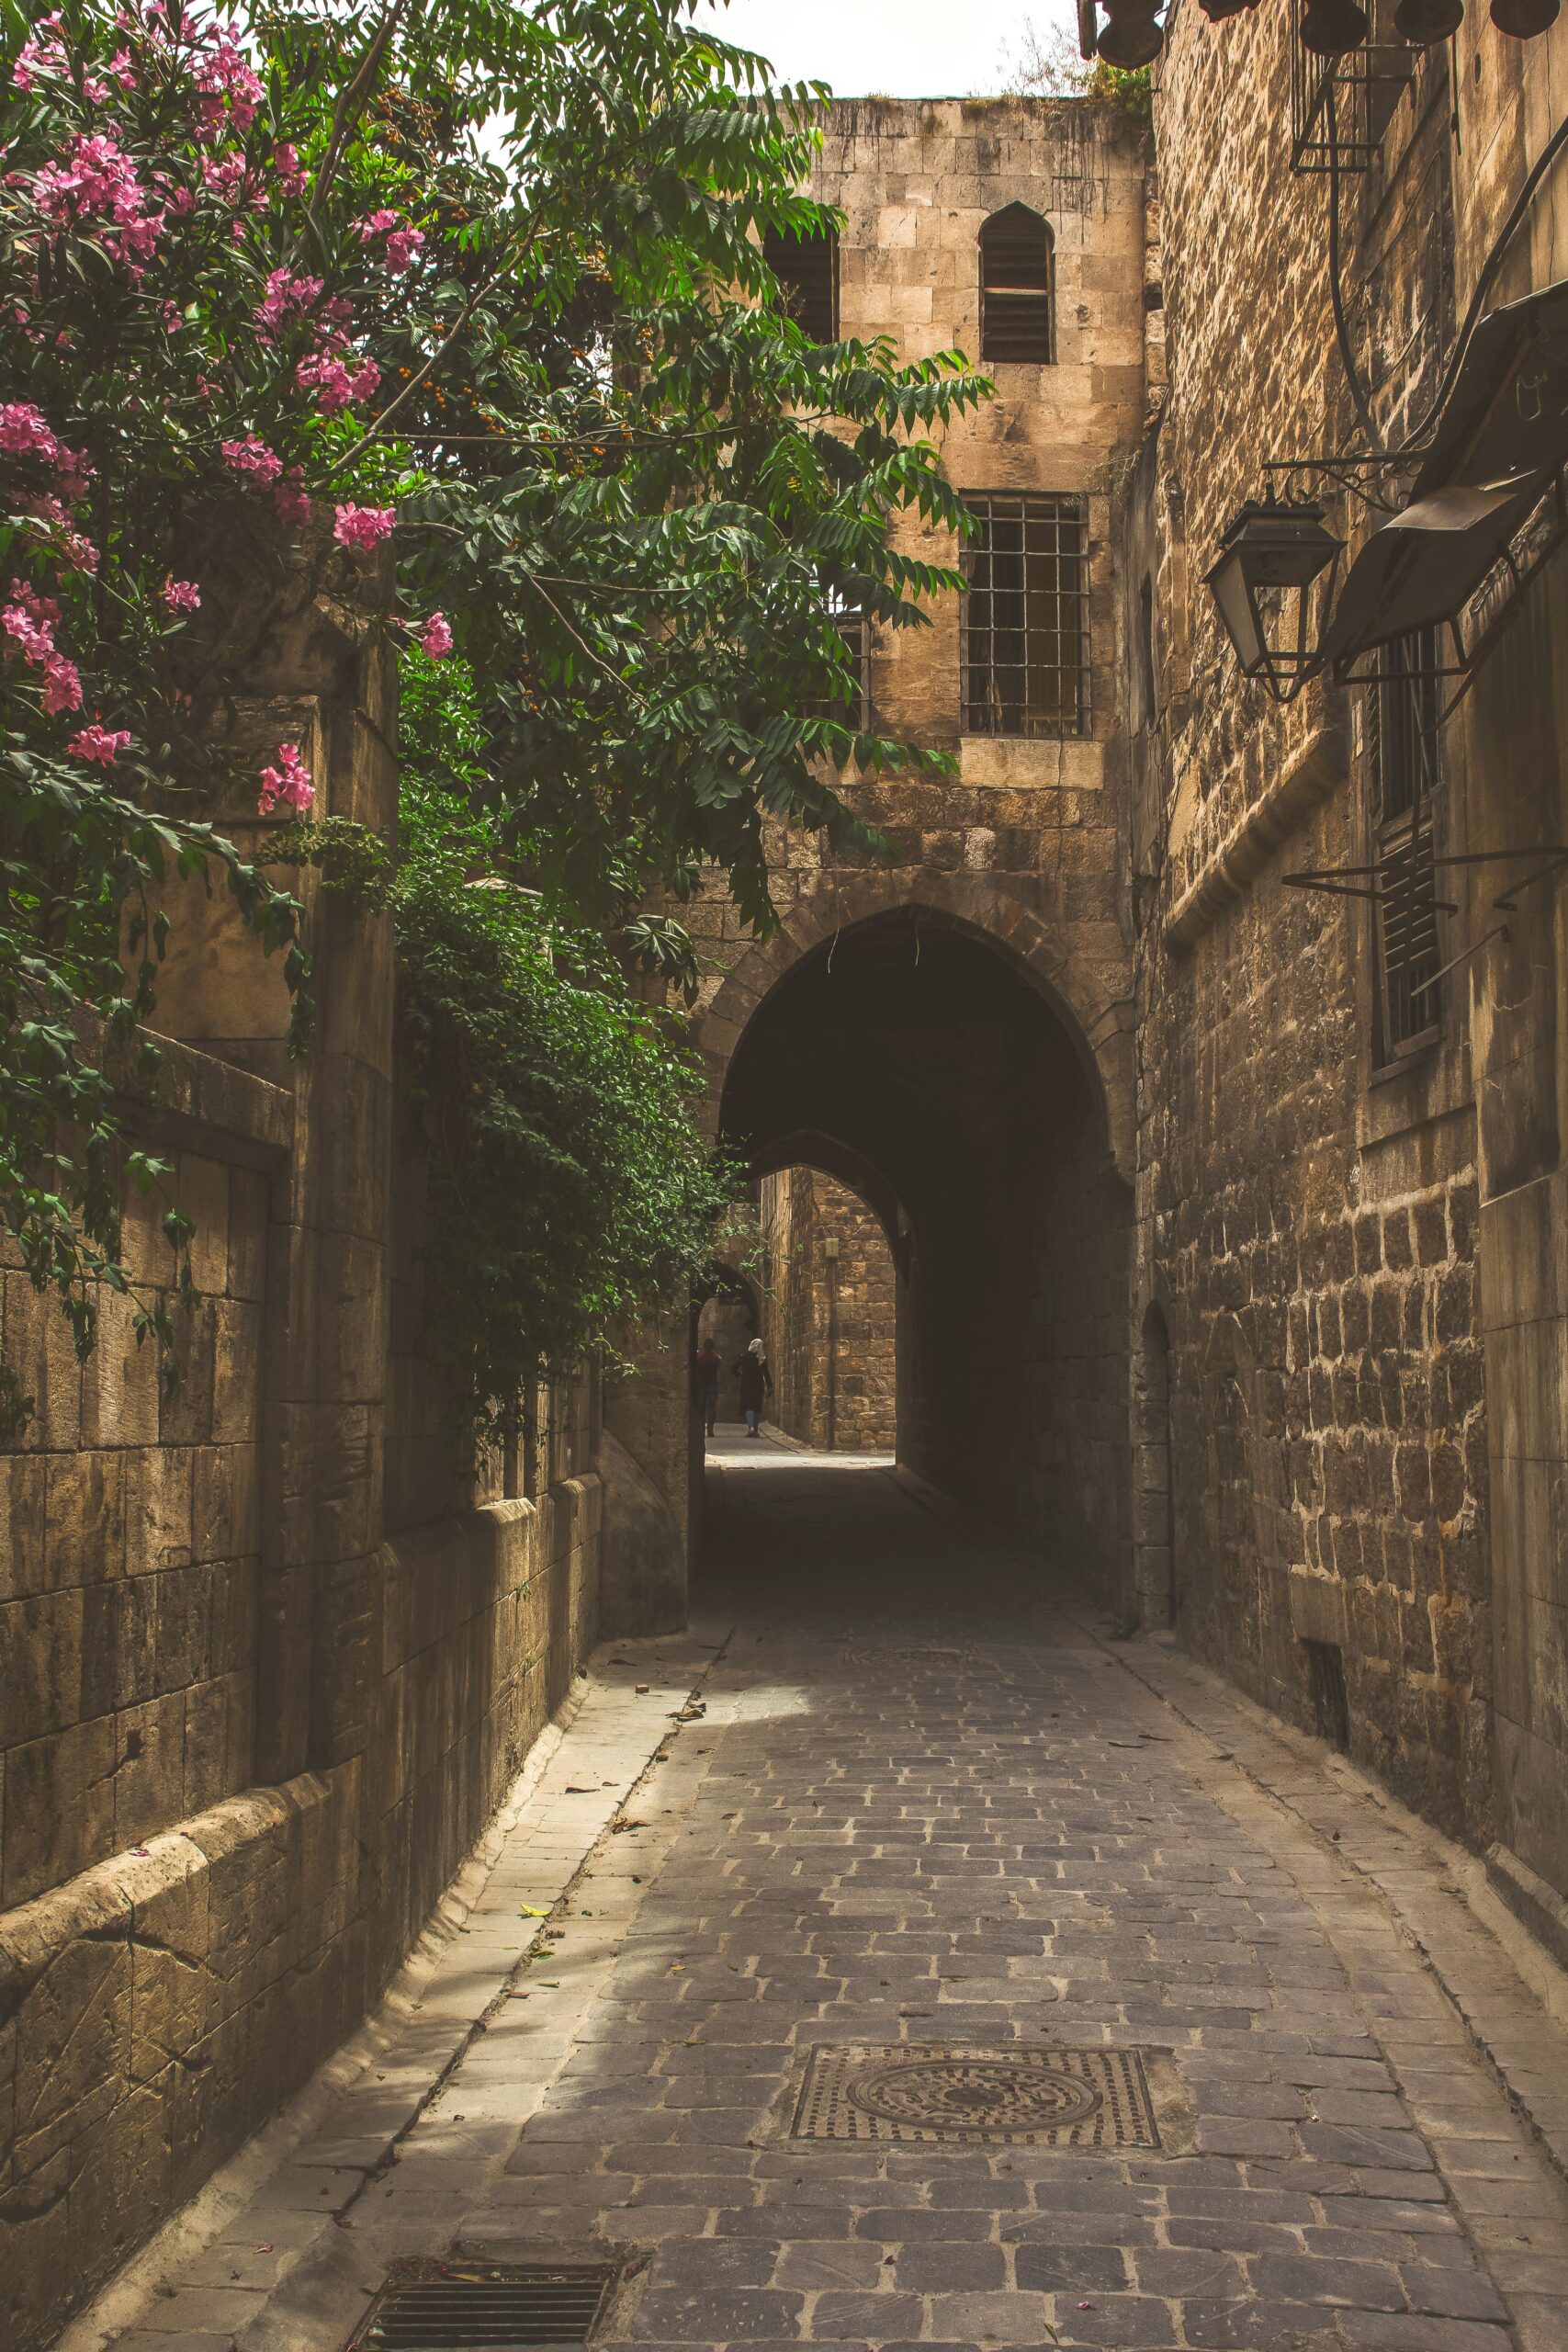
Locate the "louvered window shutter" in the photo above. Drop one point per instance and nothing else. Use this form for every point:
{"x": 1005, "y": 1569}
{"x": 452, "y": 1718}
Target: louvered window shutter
{"x": 1017, "y": 292}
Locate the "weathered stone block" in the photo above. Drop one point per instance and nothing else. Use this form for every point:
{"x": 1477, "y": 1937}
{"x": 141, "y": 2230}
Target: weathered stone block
{"x": 59, "y": 1808}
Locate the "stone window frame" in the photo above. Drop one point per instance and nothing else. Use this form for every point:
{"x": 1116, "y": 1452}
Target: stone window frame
{"x": 854, "y": 626}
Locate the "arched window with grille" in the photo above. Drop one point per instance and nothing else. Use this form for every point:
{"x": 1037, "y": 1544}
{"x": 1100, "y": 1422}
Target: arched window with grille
{"x": 808, "y": 271}
{"x": 1018, "y": 297}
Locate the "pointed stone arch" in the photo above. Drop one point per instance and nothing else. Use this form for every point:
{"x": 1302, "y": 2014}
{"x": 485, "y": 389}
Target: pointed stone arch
{"x": 1092, "y": 999}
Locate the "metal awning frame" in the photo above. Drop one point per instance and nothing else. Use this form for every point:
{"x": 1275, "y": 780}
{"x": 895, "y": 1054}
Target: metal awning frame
{"x": 1348, "y": 882}
{"x": 1513, "y": 574}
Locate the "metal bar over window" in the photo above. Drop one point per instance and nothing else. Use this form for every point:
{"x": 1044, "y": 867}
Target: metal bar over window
{"x": 1026, "y": 641}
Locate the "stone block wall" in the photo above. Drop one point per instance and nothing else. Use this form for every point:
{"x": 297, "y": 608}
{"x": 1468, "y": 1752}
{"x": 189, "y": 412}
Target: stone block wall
{"x": 830, "y": 1315}
{"x": 130, "y": 1546}
{"x": 1019, "y": 850}
{"x": 272, "y": 1652}
{"x": 1332, "y": 1418}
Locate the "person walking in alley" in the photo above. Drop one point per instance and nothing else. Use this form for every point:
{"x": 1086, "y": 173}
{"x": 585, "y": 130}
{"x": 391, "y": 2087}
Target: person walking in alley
{"x": 706, "y": 1365}
{"x": 756, "y": 1384}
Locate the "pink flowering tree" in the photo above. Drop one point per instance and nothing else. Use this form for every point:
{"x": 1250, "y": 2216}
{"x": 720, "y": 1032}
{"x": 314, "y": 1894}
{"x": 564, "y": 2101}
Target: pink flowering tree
{"x": 473, "y": 297}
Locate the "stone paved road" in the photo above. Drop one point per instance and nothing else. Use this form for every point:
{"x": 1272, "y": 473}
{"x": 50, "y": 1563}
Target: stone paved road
{"x": 927, "y": 1806}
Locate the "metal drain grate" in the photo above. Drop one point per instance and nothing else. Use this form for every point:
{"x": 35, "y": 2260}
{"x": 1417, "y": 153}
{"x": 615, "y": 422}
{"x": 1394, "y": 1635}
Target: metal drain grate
{"x": 428, "y": 2306}
{"x": 1063, "y": 2099}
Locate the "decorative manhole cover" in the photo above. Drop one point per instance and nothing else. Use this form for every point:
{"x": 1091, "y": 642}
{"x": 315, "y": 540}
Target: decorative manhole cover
{"x": 1067, "y": 2098}
{"x": 431, "y": 2306}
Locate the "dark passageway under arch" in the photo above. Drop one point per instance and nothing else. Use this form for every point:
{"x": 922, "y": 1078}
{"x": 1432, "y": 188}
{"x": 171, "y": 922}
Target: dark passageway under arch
{"x": 917, "y": 1053}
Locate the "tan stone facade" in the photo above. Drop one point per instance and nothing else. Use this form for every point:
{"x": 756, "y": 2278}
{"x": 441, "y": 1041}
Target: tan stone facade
{"x": 829, "y": 1308}
{"x": 1300, "y": 1386}
{"x": 948, "y": 1031}
{"x": 267, "y": 1669}
{"x": 1349, "y": 1220}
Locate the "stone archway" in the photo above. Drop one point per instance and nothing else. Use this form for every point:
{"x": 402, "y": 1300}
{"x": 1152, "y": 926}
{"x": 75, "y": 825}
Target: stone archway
{"x": 972, "y": 1079}
{"x": 1091, "y": 997}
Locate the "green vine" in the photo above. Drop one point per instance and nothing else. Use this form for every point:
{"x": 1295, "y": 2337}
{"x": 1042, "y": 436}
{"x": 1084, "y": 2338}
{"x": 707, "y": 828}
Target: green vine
{"x": 569, "y": 1189}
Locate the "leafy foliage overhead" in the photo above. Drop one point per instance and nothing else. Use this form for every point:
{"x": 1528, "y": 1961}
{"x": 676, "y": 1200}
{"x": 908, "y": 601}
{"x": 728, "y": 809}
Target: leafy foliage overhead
{"x": 470, "y": 293}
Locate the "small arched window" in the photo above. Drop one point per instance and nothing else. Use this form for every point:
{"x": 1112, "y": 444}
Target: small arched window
{"x": 1017, "y": 289}
{"x": 808, "y": 271}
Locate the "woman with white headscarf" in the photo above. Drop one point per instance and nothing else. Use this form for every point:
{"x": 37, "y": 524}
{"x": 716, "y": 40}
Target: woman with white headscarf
{"x": 756, "y": 1385}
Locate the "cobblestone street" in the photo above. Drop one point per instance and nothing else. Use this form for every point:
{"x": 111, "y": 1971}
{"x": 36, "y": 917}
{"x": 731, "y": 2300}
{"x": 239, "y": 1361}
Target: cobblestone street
{"x": 914, "y": 1801}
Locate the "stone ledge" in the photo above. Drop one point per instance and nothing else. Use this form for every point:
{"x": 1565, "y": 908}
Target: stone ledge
{"x": 1317, "y": 769}
{"x": 107, "y": 1901}
{"x": 199, "y": 1103}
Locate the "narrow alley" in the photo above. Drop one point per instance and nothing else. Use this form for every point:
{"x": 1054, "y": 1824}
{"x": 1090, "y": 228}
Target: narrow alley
{"x": 921, "y": 1966}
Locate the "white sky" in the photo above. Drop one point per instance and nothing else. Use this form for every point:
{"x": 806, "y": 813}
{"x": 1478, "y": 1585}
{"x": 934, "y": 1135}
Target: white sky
{"x": 902, "y": 49}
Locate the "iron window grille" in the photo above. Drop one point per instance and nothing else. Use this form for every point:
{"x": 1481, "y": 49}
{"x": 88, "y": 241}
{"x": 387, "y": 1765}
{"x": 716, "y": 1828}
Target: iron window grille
{"x": 1025, "y": 653}
{"x": 1402, "y": 721}
{"x": 851, "y": 709}
{"x": 1018, "y": 297}
{"x": 807, "y": 270}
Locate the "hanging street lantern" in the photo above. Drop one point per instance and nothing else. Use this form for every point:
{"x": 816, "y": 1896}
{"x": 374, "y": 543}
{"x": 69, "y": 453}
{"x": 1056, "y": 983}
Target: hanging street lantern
{"x": 1273, "y": 550}
{"x": 1332, "y": 27}
{"x": 1131, "y": 37}
{"x": 1424, "y": 23}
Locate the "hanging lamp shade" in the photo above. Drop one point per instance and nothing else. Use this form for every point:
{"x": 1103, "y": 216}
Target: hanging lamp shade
{"x": 1131, "y": 37}
{"x": 1523, "y": 20}
{"x": 1270, "y": 546}
{"x": 1332, "y": 27}
{"x": 1425, "y": 22}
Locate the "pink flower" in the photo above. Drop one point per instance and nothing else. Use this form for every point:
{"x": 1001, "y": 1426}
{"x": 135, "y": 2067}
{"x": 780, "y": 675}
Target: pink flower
{"x": 29, "y": 620}
{"x": 119, "y": 69}
{"x": 286, "y": 292}
{"x": 95, "y": 742}
{"x": 290, "y": 498}
{"x": 43, "y": 52}
{"x": 290, "y": 171}
{"x": 364, "y": 528}
{"x": 24, "y": 432}
{"x": 181, "y": 595}
{"x": 289, "y": 782}
{"x": 402, "y": 243}
{"x": 435, "y": 639}
{"x": 253, "y": 456}
{"x": 226, "y": 179}
{"x": 62, "y": 685}
{"x": 230, "y": 87}
{"x": 98, "y": 182}
{"x": 334, "y": 383}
